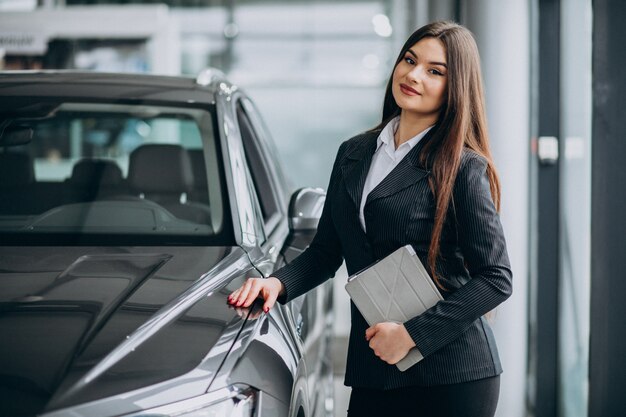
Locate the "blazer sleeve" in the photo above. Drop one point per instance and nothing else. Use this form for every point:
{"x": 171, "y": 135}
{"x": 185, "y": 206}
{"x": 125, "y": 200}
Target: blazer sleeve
{"x": 482, "y": 243}
{"x": 324, "y": 255}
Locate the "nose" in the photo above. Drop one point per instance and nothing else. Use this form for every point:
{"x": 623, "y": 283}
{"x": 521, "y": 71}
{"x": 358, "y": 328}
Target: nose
{"x": 416, "y": 74}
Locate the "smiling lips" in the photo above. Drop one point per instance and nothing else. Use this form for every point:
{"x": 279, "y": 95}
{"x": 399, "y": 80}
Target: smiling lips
{"x": 408, "y": 90}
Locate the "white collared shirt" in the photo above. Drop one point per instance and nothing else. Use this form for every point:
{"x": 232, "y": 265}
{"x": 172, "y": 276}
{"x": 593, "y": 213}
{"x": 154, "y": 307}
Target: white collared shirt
{"x": 386, "y": 158}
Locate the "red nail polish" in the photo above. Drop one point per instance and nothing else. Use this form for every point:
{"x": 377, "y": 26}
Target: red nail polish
{"x": 266, "y": 309}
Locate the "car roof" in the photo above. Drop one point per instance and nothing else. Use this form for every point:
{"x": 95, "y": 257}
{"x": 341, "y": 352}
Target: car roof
{"x": 101, "y": 85}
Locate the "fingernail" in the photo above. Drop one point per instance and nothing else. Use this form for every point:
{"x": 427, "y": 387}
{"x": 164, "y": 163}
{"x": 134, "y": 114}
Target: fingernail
{"x": 266, "y": 309}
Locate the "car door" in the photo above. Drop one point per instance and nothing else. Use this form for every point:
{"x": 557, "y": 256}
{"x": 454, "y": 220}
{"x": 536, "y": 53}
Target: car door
{"x": 308, "y": 313}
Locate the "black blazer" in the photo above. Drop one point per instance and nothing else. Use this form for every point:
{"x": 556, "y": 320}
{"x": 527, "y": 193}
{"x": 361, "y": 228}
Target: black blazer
{"x": 456, "y": 341}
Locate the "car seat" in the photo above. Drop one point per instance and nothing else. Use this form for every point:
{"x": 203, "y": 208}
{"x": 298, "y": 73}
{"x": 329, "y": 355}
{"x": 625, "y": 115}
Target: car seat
{"x": 163, "y": 173}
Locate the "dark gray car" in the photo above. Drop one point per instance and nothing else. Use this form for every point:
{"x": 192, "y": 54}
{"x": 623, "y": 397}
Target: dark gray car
{"x": 130, "y": 207}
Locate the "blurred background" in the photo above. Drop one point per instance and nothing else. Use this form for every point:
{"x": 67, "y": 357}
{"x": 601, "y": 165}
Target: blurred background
{"x": 317, "y": 71}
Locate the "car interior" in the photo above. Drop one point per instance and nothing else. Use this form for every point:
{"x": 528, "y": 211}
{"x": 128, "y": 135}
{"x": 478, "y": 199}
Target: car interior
{"x": 160, "y": 176}
{"x": 107, "y": 168}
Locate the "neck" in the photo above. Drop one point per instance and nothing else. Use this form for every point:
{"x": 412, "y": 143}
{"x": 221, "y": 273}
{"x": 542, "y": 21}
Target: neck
{"x": 411, "y": 125}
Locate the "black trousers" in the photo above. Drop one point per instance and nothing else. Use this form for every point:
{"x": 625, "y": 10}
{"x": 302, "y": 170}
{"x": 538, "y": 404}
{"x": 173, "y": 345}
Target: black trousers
{"x": 468, "y": 399}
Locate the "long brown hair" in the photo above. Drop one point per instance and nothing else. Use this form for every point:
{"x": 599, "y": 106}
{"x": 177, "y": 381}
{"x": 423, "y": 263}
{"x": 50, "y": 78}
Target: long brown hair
{"x": 462, "y": 123}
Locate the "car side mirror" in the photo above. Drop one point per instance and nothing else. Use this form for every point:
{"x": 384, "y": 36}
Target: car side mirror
{"x": 305, "y": 209}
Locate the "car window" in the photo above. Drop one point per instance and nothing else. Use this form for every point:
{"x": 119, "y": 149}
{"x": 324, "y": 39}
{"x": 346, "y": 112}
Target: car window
{"x": 258, "y": 166}
{"x": 90, "y": 170}
{"x": 264, "y": 137}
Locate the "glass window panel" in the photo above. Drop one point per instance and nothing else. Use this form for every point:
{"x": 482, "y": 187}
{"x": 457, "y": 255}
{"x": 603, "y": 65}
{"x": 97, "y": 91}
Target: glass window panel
{"x": 576, "y": 107}
{"x": 111, "y": 169}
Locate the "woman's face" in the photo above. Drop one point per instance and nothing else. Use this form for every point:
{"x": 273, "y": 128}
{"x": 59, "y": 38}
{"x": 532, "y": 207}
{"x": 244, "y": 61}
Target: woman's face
{"x": 420, "y": 79}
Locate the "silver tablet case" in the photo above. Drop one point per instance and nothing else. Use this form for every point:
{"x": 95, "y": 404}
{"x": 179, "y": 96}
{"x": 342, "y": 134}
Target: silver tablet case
{"x": 395, "y": 289}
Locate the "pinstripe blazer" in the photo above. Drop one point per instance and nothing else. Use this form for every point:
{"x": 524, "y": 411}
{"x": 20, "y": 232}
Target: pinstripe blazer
{"x": 456, "y": 341}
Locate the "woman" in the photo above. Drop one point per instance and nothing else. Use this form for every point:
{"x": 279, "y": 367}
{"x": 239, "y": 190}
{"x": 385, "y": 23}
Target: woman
{"x": 424, "y": 177}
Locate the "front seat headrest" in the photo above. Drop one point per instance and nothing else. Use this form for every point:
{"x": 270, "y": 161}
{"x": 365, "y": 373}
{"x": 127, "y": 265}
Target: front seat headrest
{"x": 199, "y": 170}
{"x": 160, "y": 168}
{"x": 16, "y": 169}
{"x": 96, "y": 172}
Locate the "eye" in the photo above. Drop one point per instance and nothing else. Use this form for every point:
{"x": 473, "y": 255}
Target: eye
{"x": 435, "y": 71}
{"x": 409, "y": 60}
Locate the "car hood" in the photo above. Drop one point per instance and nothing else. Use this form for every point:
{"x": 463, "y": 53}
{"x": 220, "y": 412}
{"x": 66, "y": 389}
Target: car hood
{"x": 64, "y": 310}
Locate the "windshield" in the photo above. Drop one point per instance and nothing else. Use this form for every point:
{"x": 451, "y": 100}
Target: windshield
{"x": 75, "y": 172}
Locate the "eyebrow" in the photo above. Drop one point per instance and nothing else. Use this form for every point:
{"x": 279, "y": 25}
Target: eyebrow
{"x": 443, "y": 64}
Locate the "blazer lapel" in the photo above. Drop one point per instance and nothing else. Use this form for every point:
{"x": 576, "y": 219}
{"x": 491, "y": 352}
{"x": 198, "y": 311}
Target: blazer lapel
{"x": 356, "y": 166}
{"x": 406, "y": 173}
